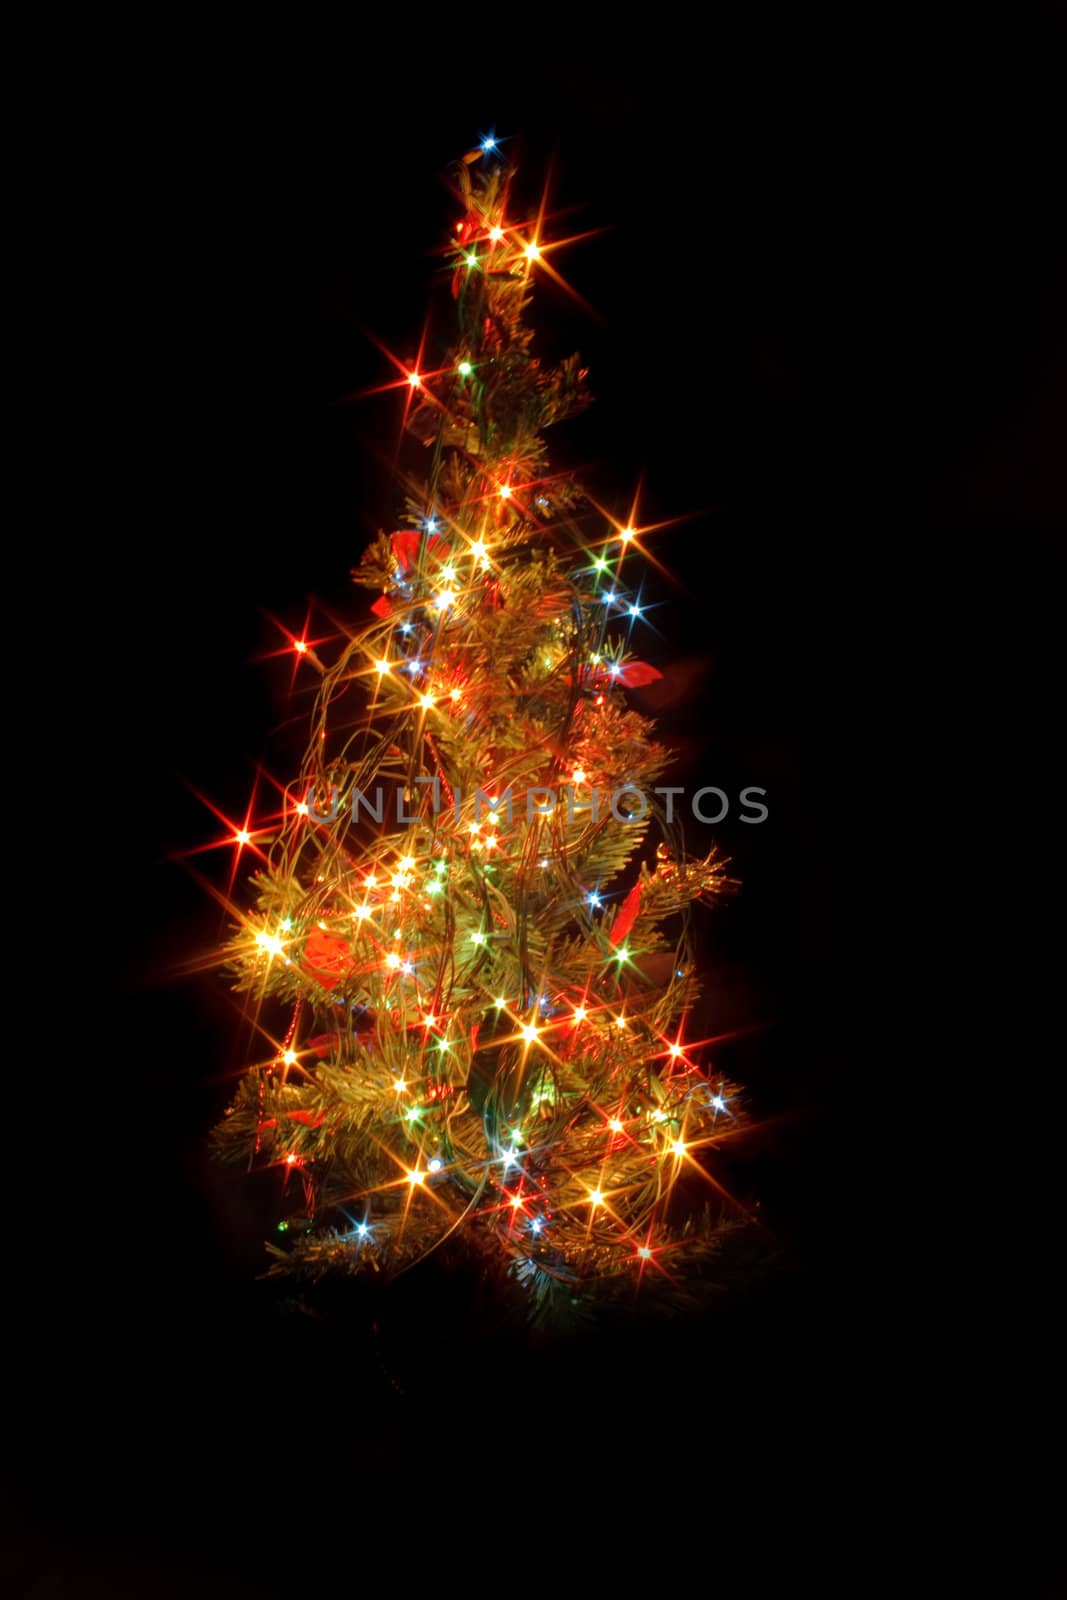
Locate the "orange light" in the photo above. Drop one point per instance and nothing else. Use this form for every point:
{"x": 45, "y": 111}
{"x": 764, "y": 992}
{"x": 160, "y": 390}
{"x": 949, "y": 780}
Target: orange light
{"x": 381, "y": 666}
{"x": 399, "y": 1085}
{"x": 626, "y": 534}
{"x": 416, "y": 1177}
{"x": 392, "y": 959}
{"x": 242, "y": 836}
{"x": 645, "y": 1253}
{"x": 496, "y": 234}
{"x": 301, "y": 808}
{"x": 529, "y": 1032}
{"x": 578, "y": 776}
{"x": 505, "y": 491}
{"x": 414, "y": 379}
{"x": 516, "y": 1201}
{"x": 675, "y": 1050}
{"x": 620, "y": 1022}
{"x": 289, "y": 1058}
{"x": 455, "y": 695}
{"x": 427, "y": 702}
{"x": 615, "y": 1125}
{"x": 679, "y": 1147}
{"x": 580, "y": 1013}
{"x": 532, "y": 253}
{"x": 290, "y": 1160}
{"x": 596, "y": 1198}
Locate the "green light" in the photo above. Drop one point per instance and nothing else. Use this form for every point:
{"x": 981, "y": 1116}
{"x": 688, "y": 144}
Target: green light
{"x": 622, "y": 954}
{"x": 283, "y": 1227}
{"x": 600, "y": 563}
{"x": 477, "y": 938}
{"x": 414, "y": 1114}
{"x": 464, "y": 369}
{"x": 441, "y": 868}
{"x": 287, "y": 922}
{"x": 500, "y": 1004}
{"x": 433, "y": 887}
{"x": 442, "y": 1044}
{"x": 471, "y": 259}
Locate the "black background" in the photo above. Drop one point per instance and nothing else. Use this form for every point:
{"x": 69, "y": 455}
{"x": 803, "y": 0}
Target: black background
{"x": 828, "y": 327}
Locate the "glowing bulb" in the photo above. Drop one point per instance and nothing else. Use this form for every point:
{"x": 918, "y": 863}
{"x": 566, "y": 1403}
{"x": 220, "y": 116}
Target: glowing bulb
{"x": 414, "y": 380}
{"x": 302, "y": 808}
{"x": 290, "y": 1160}
{"x": 529, "y": 1032}
{"x": 579, "y": 1013}
{"x": 289, "y": 1058}
{"x": 645, "y": 1253}
{"x": 626, "y": 534}
{"x": 471, "y": 259}
{"x": 413, "y": 1114}
{"x": 516, "y": 1201}
{"x": 620, "y": 1022}
{"x": 300, "y": 647}
{"x": 488, "y": 143}
{"x": 675, "y": 1050}
{"x": 578, "y": 776}
{"x": 479, "y": 549}
{"x": 381, "y": 666}
{"x": 449, "y": 573}
{"x": 477, "y": 938}
{"x": 635, "y": 611}
{"x": 455, "y": 695}
{"x": 427, "y": 702}
{"x": 596, "y": 1197}
{"x": 361, "y": 913}
{"x": 242, "y": 836}
{"x": 505, "y": 491}
{"x": 615, "y": 1125}
{"x": 464, "y": 369}
{"x": 392, "y": 959}
{"x": 445, "y": 599}
{"x": 399, "y": 1085}
{"x": 416, "y": 1177}
{"x": 496, "y": 234}
{"x": 436, "y": 1164}
{"x": 532, "y": 253}
{"x": 679, "y": 1147}
{"x": 406, "y": 863}
{"x": 500, "y": 1004}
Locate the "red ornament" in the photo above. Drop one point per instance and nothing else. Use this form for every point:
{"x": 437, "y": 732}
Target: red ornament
{"x": 626, "y": 915}
{"x": 327, "y": 960}
{"x": 635, "y": 674}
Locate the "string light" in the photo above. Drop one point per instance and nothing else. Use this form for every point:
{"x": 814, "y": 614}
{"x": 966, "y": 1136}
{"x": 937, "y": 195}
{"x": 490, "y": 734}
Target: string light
{"x": 300, "y": 647}
{"x": 496, "y": 234}
{"x": 533, "y": 253}
{"x": 242, "y": 836}
{"x": 464, "y": 369}
{"x": 414, "y": 380}
{"x": 381, "y": 667}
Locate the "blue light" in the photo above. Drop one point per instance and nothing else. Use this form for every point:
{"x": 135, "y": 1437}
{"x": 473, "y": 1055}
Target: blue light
{"x": 408, "y": 968}
{"x": 593, "y": 899}
{"x": 608, "y": 597}
{"x": 536, "y": 1225}
{"x": 435, "y": 1165}
{"x": 405, "y": 627}
{"x": 635, "y": 611}
{"x": 488, "y": 144}
{"x": 414, "y": 666}
{"x": 431, "y": 524}
{"x": 614, "y": 669}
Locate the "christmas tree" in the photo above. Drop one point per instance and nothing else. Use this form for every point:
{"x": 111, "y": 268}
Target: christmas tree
{"x": 474, "y": 904}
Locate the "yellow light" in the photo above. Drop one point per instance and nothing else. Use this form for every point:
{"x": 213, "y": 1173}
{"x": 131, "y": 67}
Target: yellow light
{"x": 516, "y": 1201}
{"x": 399, "y": 1085}
{"x": 596, "y": 1198}
{"x": 455, "y": 695}
{"x": 416, "y": 1177}
{"x": 500, "y": 1004}
{"x": 429, "y": 1022}
{"x": 620, "y": 1022}
{"x": 392, "y": 959}
{"x": 475, "y": 827}
{"x": 301, "y": 808}
{"x": 580, "y": 1013}
{"x": 496, "y": 234}
{"x": 370, "y": 880}
{"x": 406, "y": 863}
{"x": 395, "y": 895}
{"x": 446, "y": 598}
{"x": 449, "y": 573}
{"x": 361, "y": 913}
{"x": 505, "y": 491}
{"x": 657, "y": 1116}
{"x": 381, "y": 666}
{"x": 578, "y": 777}
{"x": 269, "y": 942}
{"x": 532, "y": 252}
{"x": 427, "y": 702}
{"x": 626, "y": 534}
{"x": 480, "y": 549}
{"x": 243, "y": 836}
{"x": 679, "y": 1147}
{"x": 289, "y": 1058}
{"x": 615, "y": 1125}
{"x": 529, "y": 1032}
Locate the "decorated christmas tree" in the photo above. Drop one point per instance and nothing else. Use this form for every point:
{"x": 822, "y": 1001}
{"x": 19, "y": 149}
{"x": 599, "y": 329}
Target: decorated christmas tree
{"x": 472, "y": 912}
